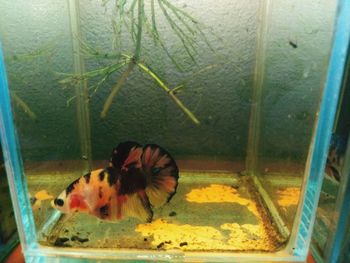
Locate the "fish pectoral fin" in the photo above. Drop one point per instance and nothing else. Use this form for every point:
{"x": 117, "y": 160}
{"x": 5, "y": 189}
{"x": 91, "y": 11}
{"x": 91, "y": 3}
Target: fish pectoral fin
{"x": 137, "y": 205}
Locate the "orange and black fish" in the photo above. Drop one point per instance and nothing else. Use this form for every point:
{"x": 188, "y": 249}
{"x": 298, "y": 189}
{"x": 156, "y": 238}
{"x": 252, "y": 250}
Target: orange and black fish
{"x": 138, "y": 179}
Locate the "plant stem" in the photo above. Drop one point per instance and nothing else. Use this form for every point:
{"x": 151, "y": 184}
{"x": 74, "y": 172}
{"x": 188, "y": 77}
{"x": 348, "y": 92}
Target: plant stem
{"x": 116, "y": 88}
{"x": 139, "y": 29}
{"x": 169, "y": 92}
{"x": 23, "y": 105}
{"x": 133, "y": 60}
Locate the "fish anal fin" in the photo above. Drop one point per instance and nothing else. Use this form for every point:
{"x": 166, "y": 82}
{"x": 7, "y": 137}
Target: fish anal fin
{"x": 137, "y": 205}
{"x": 121, "y": 200}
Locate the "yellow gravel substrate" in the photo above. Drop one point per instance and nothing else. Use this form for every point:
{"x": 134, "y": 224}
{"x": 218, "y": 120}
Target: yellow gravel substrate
{"x": 288, "y": 196}
{"x": 197, "y": 237}
{"x": 248, "y": 237}
{"x": 239, "y": 237}
{"x": 217, "y": 193}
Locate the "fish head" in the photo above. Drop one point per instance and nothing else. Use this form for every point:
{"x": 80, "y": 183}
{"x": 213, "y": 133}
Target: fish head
{"x": 71, "y": 203}
{"x": 75, "y": 197}
{"x": 61, "y": 203}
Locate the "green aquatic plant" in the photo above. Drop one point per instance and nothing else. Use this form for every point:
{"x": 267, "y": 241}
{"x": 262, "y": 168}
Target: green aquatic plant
{"x": 131, "y": 16}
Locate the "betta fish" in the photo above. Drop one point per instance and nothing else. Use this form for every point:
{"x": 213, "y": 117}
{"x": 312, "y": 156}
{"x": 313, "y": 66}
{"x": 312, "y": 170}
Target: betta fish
{"x": 137, "y": 180}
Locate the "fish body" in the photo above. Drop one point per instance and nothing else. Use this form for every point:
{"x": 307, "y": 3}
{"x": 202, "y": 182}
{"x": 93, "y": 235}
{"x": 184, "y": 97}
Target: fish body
{"x": 137, "y": 179}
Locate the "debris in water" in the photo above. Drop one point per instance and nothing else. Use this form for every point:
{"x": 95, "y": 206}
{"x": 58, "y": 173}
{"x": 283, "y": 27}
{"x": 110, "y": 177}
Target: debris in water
{"x": 79, "y": 239}
{"x": 60, "y": 242}
{"x": 160, "y": 245}
{"x": 173, "y": 213}
{"x": 293, "y": 44}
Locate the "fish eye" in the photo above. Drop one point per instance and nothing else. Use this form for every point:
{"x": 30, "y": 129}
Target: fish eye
{"x": 59, "y": 202}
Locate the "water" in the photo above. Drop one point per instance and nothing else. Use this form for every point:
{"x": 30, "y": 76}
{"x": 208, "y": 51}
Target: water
{"x": 232, "y": 93}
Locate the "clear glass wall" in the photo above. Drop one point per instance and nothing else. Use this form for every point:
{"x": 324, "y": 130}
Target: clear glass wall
{"x": 36, "y": 39}
{"x": 327, "y": 242}
{"x": 231, "y": 89}
{"x": 296, "y": 45}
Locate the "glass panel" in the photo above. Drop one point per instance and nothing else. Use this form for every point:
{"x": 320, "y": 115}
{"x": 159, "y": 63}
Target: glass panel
{"x": 36, "y": 40}
{"x": 297, "y": 45}
{"x": 327, "y": 218}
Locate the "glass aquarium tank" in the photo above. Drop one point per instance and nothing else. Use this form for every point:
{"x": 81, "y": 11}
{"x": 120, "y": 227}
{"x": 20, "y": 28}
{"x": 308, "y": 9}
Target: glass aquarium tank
{"x": 168, "y": 130}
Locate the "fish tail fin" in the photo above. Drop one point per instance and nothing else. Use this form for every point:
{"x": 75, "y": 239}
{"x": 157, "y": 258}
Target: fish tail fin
{"x": 162, "y": 174}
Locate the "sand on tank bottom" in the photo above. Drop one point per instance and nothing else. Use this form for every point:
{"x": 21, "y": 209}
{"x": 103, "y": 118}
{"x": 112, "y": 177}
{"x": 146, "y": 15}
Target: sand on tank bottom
{"x": 200, "y": 217}
{"x": 228, "y": 236}
{"x": 288, "y": 196}
{"x": 187, "y": 237}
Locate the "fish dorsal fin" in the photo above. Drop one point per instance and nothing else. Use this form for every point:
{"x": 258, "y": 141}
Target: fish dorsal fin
{"x": 161, "y": 173}
{"x": 125, "y": 155}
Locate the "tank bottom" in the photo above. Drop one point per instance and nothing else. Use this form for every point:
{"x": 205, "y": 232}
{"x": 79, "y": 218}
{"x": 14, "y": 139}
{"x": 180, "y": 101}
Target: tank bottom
{"x": 211, "y": 211}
